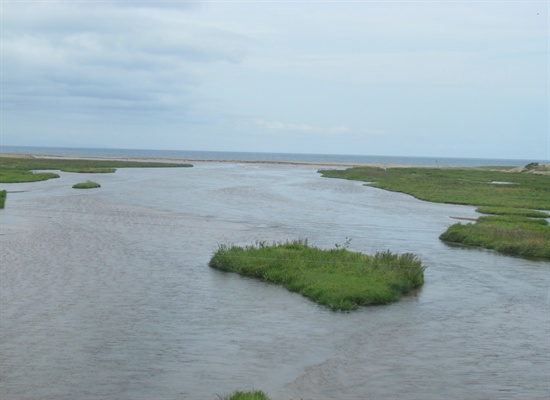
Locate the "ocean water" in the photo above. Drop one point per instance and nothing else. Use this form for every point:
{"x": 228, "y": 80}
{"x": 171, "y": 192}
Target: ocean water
{"x": 278, "y": 157}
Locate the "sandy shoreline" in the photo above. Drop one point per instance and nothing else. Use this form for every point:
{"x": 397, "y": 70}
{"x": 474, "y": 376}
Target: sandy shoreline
{"x": 199, "y": 160}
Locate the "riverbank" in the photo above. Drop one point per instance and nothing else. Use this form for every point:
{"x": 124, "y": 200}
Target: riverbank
{"x": 17, "y": 168}
{"x": 511, "y": 194}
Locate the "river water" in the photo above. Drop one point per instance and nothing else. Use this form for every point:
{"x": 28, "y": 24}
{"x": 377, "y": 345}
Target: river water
{"x": 106, "y": 294}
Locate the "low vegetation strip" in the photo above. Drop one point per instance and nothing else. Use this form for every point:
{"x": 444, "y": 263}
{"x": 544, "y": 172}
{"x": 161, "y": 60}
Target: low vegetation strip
{"x": 2, "y": 198}
{"x": 511, "y": 231}
{"x": 19, "y": 168}
{"x": 17, "y": 175}
{"x": 516, "y": 225}
{"x": 512, "y": 211}
{"x": 11, "y": 166}
{"x": 473, "y": 186}
{"x": 91, "y": 170}
{"x": 511, "y": 235}
{"x": 337, "y": 278}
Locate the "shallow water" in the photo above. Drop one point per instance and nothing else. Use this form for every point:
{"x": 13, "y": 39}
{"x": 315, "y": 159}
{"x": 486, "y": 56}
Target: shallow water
{"x": 106, "y": 294}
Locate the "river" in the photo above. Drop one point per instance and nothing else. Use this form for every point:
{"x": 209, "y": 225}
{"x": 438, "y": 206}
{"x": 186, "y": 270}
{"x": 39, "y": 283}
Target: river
{"x": 106, "y": 294}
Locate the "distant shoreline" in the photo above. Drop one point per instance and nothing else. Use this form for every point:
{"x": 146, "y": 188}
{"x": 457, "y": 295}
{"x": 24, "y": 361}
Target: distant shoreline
{"x": 545, "y": 167}
{"x": 200, "y": 160}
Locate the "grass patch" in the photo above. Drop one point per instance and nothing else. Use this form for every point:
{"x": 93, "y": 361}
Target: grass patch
{"x": 337, "y": 278}
{"x": 2, "y": 198}
{"x": 511, "y": 235}
{"x": 516, "y": 227}
{"x": 87, "y": 185}
{"x": 520, "y": 212}
{"x": 253, "y": 395}
{"x": 17, "y": 175}
{"x": 471, "y": 186}
{"x": 17, "y": 169}
{"x": 91, "y": 170}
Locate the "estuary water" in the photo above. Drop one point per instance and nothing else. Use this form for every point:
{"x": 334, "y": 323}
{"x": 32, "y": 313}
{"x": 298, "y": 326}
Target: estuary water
{"x": 107, "y": 294}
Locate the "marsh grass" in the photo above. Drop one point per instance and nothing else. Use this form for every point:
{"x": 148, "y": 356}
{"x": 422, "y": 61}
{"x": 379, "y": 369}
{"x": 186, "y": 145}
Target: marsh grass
{"x": 18, "y": 169}
{"x": 90, "y": 170}
{"x": 520, "y": 212}
{"x": 16, "y": 175}
{"x": 515, "y": 227}
{"x": 337, "y": 278}
{"x": 511, "y": 235}
{"x": 87, "y": 185}
{"x": 252, "y": 395}
{"x": 472, "y": 186}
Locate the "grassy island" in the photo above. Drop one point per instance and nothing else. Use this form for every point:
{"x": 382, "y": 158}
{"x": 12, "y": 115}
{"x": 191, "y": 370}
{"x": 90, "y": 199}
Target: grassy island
{"x": 240, "y": 395}
{"x": 337, "y": 278}
{"x": 514, "y": 198}
{"x": 87, "y": 185}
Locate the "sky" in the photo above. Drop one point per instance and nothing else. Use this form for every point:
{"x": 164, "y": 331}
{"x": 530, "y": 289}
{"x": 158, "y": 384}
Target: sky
{"x": 402, "y": 78}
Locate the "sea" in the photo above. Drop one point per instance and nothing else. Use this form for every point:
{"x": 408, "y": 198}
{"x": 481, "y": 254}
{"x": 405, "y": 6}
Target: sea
{"x": 266, "y": 157}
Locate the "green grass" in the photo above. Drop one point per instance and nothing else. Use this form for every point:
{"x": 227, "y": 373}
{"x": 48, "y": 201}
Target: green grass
{"x": 517, "y": 236}
{"x": 471, "y": 186}
{"x": 337, "y": 278}
{"x": 515, "y": 227}
{"x": 90, "y": 170}
{"x": 86, "y": 185}
{"x": 2, "y": 198}
{"x": 253, "y": 395}
{"x": 17, "y": 175}
{"x": 17, "y": 169}
{"x": 520, "y": 212}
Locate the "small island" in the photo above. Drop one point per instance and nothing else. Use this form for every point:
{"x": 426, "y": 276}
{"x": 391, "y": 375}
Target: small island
{"x": 87, "y": 185}
{"x": 337, "y": 278}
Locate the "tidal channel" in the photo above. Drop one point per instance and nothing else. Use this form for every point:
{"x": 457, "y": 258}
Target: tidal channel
{"x": 107, "y": 294}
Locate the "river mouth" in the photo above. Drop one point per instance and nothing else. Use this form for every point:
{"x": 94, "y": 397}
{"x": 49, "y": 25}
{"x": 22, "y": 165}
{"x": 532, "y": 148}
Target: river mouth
{"x": 107, "y": 294}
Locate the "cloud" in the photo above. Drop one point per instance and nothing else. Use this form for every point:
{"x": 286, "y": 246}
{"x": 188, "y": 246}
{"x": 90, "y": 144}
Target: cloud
{"x": 94, "y": 57}
{"x": 433, "y": 43}
{"x": 358, "y": 76}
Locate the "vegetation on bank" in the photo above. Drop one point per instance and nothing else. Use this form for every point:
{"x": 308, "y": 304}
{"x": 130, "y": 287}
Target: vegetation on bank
{"x": 19, "y": 168}
{"x": 473, "y": 186}
{"x": 86, "y": 185}
{"x": 516, "y": 225}
{"x": 91, "y": 170}
{"x": 337, "y": 278}
{"x": 2, "y": 198}
{"x": 16, "y": 175}
{"x": 512, "y": 211}
{"x": 511, "y": 235}
{"x": 252, "y": 395}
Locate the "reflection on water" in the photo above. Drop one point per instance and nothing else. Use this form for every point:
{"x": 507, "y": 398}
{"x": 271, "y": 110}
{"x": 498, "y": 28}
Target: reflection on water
{"x": 106, "y": 294}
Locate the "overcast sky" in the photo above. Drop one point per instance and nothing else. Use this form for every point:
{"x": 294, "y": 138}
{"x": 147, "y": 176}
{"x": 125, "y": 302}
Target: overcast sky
{"x": 413, "y": 78}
